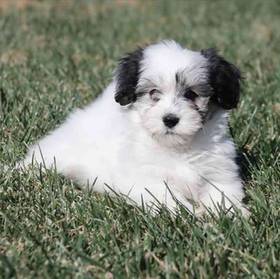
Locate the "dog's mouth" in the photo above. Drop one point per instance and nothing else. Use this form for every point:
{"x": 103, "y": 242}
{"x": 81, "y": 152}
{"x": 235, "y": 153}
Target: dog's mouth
{"x": 171, "y": 139}
{"x": 172, "y": 134}
{"x": 169, "y": 132}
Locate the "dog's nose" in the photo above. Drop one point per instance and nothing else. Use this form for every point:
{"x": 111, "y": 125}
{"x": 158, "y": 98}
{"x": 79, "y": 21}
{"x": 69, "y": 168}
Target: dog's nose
{"x": 170, "y": 120}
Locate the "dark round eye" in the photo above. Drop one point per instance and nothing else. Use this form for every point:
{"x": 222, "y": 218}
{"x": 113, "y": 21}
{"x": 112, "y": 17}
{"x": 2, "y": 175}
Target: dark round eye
{"x": 190, "y": 95}
{"x": 155, "y": 95}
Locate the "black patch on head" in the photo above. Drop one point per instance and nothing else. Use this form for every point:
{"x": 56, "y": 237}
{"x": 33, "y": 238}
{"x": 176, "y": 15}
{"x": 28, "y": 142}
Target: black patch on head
{"x": 224, "y": 78}
{"x": 127, "y": 76}
{"x": 202, "y": 89}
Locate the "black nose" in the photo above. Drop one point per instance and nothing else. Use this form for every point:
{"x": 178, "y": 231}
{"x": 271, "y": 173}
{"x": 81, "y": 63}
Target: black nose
{"x": 170, "y": 120}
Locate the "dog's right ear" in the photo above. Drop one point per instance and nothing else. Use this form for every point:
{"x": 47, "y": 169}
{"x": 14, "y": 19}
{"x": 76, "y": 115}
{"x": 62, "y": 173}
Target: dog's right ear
{"x": 127, "y": 76}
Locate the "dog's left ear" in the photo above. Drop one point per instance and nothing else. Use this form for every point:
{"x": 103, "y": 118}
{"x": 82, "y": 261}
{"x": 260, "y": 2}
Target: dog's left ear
{"x": 224, "y": 79}
{"x": 127, "y": 76}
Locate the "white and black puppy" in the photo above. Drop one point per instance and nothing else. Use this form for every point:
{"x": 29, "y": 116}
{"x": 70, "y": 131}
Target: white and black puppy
{"x": 162, "y": 121}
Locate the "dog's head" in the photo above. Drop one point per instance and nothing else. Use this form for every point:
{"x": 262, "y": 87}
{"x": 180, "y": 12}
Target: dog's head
{"x": 172, "y": 88}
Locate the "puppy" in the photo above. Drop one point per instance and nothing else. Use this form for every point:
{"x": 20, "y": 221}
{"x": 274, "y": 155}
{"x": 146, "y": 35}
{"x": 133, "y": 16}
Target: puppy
{"x": 158, "y": 133}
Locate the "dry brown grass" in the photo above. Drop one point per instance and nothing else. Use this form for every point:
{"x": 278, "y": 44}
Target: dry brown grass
{"x": 15, "y": 4}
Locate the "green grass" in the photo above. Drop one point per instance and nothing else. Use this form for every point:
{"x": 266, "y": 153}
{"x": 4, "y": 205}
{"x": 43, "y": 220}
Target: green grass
{"x": 56, "y": 57}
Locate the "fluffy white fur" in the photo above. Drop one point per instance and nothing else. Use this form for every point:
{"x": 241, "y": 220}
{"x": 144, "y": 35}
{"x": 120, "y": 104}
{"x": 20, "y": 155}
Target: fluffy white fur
{"x": 130, "y": 149}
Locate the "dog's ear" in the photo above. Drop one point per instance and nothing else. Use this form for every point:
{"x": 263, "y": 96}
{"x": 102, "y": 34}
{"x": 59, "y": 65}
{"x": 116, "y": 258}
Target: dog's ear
{"x": 224, "y": 79}
{"x": 127, "y": 76}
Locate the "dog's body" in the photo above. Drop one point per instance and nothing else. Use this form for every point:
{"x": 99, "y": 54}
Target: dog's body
{"x": 171, "y": 129}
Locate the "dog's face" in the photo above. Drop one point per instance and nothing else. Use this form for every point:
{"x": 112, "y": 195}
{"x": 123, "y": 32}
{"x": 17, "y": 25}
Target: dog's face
{"x": 172, "y": 88}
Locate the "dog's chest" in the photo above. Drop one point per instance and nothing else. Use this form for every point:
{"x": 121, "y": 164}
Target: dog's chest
{"x": 153, "y": 164}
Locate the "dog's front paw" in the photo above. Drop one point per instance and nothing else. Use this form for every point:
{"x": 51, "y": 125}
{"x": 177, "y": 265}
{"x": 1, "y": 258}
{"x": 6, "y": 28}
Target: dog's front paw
{"x": 221, "y": 210}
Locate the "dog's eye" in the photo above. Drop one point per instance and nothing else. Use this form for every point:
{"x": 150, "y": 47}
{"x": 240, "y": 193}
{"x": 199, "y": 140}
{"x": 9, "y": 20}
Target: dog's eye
{"x": 190, "y": 95}
{"x": 155, "y": 95}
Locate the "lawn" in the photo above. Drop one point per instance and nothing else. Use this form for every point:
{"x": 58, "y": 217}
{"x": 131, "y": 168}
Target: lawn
{"x": 59, "y": 55}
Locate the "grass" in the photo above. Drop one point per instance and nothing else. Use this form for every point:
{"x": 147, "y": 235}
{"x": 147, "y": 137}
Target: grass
{"x": 58, "y": 55}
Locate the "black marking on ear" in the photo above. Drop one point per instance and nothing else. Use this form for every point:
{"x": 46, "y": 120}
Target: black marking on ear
{"x": 224, "y": 78}
{"x": 127, "y": 76}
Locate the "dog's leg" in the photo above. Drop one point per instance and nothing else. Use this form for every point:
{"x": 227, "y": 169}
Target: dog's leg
{"x": 225, "y": 197}
{"x": 52, "y": 151}
{"x": 159, "y": 195}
